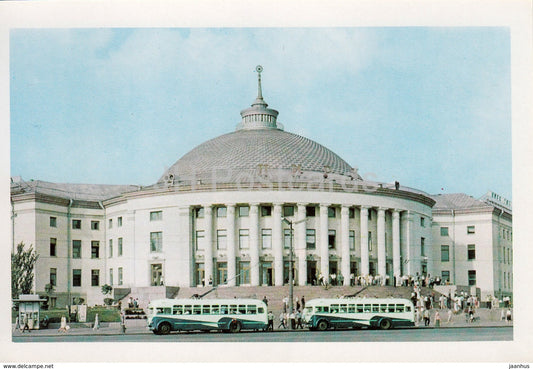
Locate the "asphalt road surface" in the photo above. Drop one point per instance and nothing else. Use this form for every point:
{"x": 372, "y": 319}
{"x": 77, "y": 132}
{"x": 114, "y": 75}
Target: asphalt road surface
{"x": 364, "y": 335}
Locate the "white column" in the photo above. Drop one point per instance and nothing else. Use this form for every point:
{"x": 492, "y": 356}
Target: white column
{"x": 182, "y": 272}
{"x": 345, "y": 244}
{"x": 254, "y": 244}
{"x": 396, "y": 245}
{"x": 232, "y": 267}
{"x": 364, "y": 241}
{"x": 208, "y": 252}
{"x": 408, "y": 221}
{"x": 382, "y": 260}
{"x": 323, "y": 236}
{"x": 301, "y": 246}
{"x": 277, "y": 245}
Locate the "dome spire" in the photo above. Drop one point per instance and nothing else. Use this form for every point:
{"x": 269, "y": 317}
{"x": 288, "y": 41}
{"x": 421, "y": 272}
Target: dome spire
{"x": 259, "y": 69}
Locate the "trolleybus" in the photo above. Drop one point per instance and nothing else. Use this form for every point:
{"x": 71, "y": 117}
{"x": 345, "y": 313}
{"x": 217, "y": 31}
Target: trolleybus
{"x": 383, "y": 313}
{"x": 226, "y": 315}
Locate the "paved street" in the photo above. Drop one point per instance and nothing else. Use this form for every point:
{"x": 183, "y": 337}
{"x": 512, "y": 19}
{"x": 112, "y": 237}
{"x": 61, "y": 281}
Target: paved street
{"x": 401, "y": 335}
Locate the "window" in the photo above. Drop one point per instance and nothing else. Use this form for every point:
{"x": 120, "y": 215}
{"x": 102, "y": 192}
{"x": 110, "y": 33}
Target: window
{"x": 244, "y": 211}
{"x": 444, "y": 253}
{"x": 422, "y": 222}
{"x": 422, "y": 246}
{"x": 244, "y": 274}
{"x": 95, "y": 225}
{"x": 244, "y": 239}
{"x": 331, "y": 212}
{"x": 76, "y": 223}
{"x": 76, "y": 277}
{"x": 266, "y": 211}
{"x": 471, "y": 229}
{"x": 287, "y": 238}
{"x": 310, "y": 238}
{"x": 76, "y": 249}
{"x": 471, "y": 277}
{"x": 331, "y": 239}
{"x": 200, "y": 240}
{"x": 288, "y": 211}
{"x": 53, "y": 222}
{"x": 352, "y": 240}
{"x": 445, "y": 276}
{"x": 120, "y": 276}
{"x": 156, "y": 215}
{"x": 221, "y": 239}
{"x": 110, "y": 223}
{"x": 95, "y": 277}
{"x": 53, "y": 276}
{"x": 95, "y": 249}
{"x": 351, "y": 213}
{"x": 110, "y": 248}
{"x": 221, "y": 212}
{"x": 110, "y": 276}
{"x": 199, "y": 212}
{"x": 369, "y": 240}
{"x": 156, "y": 241}
{"x": 471, "y": 252}
{"x": 266, "y": 238}
{"x": 369, "y": 214}
{"x": 119, "y": 221}
{"x": 120, "y": 246}
{"x": 310, "y": 211}
{"x": 444, "y": 231}
{"x": 53, "y": 244}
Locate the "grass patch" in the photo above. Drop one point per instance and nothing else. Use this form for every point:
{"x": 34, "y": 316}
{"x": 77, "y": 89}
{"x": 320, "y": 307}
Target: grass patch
{"x": 104, "y": 314}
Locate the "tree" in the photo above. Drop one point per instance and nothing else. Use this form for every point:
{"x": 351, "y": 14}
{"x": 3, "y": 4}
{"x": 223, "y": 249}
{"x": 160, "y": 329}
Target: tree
{"x": 22, "y": 266}
{"x": 106, "y": 290}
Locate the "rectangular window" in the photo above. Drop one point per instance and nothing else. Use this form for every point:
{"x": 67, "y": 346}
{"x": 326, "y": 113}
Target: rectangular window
{"x": 110, "y": 248}
{"x": 95, "y": 249}
{"x": 445, "y": 276}
{"x": 120, "y": 274}
{"x": 156, "y": 215}
{"x": 199, "y": 212}
{"x": 119, "y": 221}
{"x": 369, "y": 240}
{"x": 310, "y": 211}
{"x": 471, "y": 252}
{"x": 331, "y": 212}
{"x": 352, "y": 240}
{"x": 288, "y": 211}
{"x": 331, "y": 238}
{"x": 53, "y": 244}
{"x": 156, "y": 241}
{"x": 351, "y": 213}
{"x": 244, "y": 274}
{"x": 266, "y": 238}
{"x": 200, "y": 240}
{"x": 120, "y": 246}
{"x": 221, "y": 239}
{"x": 444, "y": 253}
{"x": 471, "y": 229}
{"x": 110, "y": 276}
{"x": 76, "y": 249}
{"x": 422, "y": 222}
{"x": 310, "y": 239}
{"x": 222, "y": 212}
{"x": 95, "y": 277}
{"x": 76, "y": 277}
{"x": 53, "y": 276}
{"x": 266, "y": 211}
{"x": 95, "y": 225}
{"x": 244, "y": 239}
{"x": 422, "y": 246}
{"x": 76, "y": 223}
{"x": 53, "y": 222}
{"x": 471, "y": 277}
{"x": 244, "y": 211}
{"x": 287, "y": 238}
{"x": 444, "y": 231}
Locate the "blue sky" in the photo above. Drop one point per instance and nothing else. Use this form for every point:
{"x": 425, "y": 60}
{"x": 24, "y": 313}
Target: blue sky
{"x": 429, "y": 107}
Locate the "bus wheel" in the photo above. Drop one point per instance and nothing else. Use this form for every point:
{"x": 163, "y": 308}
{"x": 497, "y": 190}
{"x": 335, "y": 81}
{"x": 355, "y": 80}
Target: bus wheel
{"x": 385, "y": 324}
{"x": 235, "y": 327}
{"x": 164, "y": 328}
{"x": 322, "y": 325}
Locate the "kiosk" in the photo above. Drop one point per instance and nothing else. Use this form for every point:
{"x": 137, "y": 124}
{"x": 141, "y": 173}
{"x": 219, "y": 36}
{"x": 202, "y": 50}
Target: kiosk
{"x": 29, "y": 305}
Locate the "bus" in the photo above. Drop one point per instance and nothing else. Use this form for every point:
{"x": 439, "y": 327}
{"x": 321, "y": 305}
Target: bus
{"x": 383, "y": 313}
{"x": 223, "y": 315}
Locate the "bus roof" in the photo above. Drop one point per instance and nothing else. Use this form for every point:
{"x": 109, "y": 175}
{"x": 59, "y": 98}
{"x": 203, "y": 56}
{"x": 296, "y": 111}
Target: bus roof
{"x": 171, "y": 302}
{"x": 358, "y": 300}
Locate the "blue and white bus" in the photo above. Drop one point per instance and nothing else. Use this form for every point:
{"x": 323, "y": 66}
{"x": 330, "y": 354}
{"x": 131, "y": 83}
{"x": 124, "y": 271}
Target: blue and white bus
{"x": 383, "y": 313}
{"x": 226, "y": 315}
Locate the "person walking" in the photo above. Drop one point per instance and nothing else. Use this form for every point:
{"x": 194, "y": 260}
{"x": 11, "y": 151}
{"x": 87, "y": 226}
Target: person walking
{"x": 437, "y": 319}
{"x": 299, "y": 320}
{"x": 509, "y": 316}
{"x": 122, "y": 322}
{"x": 426, "y": 318}
{"x": 270, "y": 321}
{"x": 282, "y": 321}
{"x": 303, "y": 302}
{"x": 96, "y": 323}
{"x": 265, "y": 300}
{"x": 25, "y": 325}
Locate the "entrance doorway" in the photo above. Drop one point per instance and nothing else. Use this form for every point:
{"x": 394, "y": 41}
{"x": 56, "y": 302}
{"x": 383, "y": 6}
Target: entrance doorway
{"x": 222, "y": 273}
{"x": 267, "y": 275}
{"x": 311, "y": 273}
{"x": 333, "y": 273}
{"x": 156, "y": 274}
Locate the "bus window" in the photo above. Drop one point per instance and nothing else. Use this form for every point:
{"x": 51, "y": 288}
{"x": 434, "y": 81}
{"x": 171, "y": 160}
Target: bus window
{"x": 233, "y": 309}
{"x": 359, "y": 308}
{"x": 367, "y": 308}
{"x": 260, "y": 310}
{"x": 322, "y": 309}
{"x": 334, "y": 309}
{"x": 251, "y": 309}
{"x": 187, "y": 309}
{"x": 197, "y": 309}
{"x": 206, "y": 309}
{"x": 375, "y": 308}
{"x": 351, "y": 308}
{"x": 383, "y": 308}
{"x": 242, "y": 309}
{"x": 407, "y": 308}
{"x": 177, "y": 309}
{"x": 167, "y": 310}
{"x": 344, "y": 308}
{"x": 215, "y": 310}
{"x": 391, "y": 308}
{"x": 160, "y": 310}
{"x": 399, "y": 308}
{"x": 224, "y": 309}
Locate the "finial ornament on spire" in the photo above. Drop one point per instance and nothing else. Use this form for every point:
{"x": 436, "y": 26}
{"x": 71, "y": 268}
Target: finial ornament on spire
{"x": 259, "y": 69}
